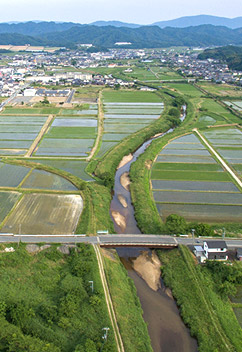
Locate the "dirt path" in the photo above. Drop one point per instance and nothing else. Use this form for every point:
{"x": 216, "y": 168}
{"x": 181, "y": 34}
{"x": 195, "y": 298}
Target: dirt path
{"x": 224, "y": 164}
{"x": 100, "y": 126}
{"x": 40, "y": 135}
{"x": 111, "y": 312}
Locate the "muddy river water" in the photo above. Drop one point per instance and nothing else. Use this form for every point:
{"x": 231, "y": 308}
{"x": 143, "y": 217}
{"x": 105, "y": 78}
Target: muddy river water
{"x": 166, "y": 328}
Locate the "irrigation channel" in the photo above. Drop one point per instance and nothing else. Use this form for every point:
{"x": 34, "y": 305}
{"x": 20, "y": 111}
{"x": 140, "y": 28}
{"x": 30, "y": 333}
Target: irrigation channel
{"x": 166, "y": 328}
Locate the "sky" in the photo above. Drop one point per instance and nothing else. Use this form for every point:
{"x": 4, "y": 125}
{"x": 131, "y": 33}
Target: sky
{"x": 133, "y": 11}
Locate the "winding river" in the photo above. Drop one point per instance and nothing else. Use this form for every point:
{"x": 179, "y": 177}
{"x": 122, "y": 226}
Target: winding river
{"x": 166, "y": 328}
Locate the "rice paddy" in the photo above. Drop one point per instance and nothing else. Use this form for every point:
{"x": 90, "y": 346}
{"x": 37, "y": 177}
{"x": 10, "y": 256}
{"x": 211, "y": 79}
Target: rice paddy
{"x": 228, "y": 143}
{"x": 12, "y": 175}
{"x": 236, "y": 104}
{"x": 75, "y": 167}
{"x": 186, "y": 180}
{"x": 17, "y": 133}
{"x": 70, "y": 136}
{"x": 7, "y": 201}
{"x": 126, "y": 112}
{"x": 45, "y": 214}
{"x": 39, "y": 179}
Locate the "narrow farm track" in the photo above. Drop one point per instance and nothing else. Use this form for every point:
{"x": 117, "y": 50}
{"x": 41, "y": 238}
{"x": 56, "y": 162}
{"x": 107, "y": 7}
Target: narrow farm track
{"x": 40, "y": 135}
{"x": 111, "y": 312}
{"x": 222, "y": 162}
{"x": 100, "y": 127}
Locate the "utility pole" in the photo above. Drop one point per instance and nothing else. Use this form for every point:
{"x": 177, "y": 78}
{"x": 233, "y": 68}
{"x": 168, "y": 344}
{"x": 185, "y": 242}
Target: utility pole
{"x": 92, "y": 285}
{"x": 104, "y": 337}
{"x": 193, "y": 239}
{"x": 224, "y": 233}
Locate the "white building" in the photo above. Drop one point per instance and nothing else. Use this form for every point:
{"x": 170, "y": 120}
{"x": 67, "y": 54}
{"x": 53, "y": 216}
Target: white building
{"x": 29, "y": 92}
{"x": 215, "y": 250}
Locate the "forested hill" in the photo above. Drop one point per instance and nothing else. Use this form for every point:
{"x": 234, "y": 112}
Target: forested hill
{"x": 232, "y": 55}
{"x": 107, "y": 36}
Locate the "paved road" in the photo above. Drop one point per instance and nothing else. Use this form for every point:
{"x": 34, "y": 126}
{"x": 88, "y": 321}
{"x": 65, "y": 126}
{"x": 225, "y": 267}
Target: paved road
{"x": 113, "y": 239}
{"x": 69, "y": 99}
{"x": 13, "y": 96}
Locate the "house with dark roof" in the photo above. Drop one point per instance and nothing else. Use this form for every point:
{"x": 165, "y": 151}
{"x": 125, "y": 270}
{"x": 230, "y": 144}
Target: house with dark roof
{"x": 215, "y": 250}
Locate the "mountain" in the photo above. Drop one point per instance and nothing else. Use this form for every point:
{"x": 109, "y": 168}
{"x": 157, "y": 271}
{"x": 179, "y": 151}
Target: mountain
{"x": 114, "y": 24}
{"x": 34, "y": 28}
{"x": 142, "y": 37}
{"x": 146, "y": 36}
{"x": 20, "y": 39}
{"x": 232, "y": 55}
{"x": 187, "y": 21}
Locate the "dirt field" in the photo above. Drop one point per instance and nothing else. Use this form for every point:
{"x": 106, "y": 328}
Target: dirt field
{"x": 45, "y": 214}
{"x": 50, "y": 99}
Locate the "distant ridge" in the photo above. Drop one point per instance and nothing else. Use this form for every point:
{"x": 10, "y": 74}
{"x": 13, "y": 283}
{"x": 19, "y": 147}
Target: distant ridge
{"x": 115, "y": 24}
{"x": 142, "y": 37}
{"x": 198, "y": 20}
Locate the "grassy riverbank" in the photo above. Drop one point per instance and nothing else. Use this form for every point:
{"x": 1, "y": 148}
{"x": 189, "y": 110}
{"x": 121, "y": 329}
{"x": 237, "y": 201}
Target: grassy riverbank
{"x": 127, "y": 306}
{"x": 146, "y": 213}
{"x": 208, "y": 315}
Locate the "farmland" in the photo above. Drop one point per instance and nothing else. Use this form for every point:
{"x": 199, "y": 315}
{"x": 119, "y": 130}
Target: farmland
{"x": 228, "y": 143}
{"x": 72, "y": 135}
{"x": 17, "y": 133}
{"x": 45, "y": 214}
{"x": 125, "y": 113}
{"x": 188, "y": 179}
{"x": 7, "y": 201}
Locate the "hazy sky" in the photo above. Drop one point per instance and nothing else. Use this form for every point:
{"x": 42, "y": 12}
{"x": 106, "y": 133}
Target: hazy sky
{"x": 136, "y": 11}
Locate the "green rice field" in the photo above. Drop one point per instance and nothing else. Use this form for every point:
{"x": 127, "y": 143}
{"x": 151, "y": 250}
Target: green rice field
{"x": 182, "y": 179}
{"x": 186, "y": 89}
{"x": 69, "y": 136}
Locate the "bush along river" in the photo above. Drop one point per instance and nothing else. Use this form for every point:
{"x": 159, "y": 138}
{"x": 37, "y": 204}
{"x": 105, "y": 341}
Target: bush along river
{"x": 166, "y": 328}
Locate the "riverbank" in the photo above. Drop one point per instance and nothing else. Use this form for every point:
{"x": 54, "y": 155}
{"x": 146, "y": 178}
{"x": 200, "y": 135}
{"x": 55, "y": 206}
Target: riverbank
{"x": 126, "y": 304}
{"x": 210, "y": 318}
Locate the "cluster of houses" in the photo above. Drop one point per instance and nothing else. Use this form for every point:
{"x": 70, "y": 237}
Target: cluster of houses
{"x": 209, "y": 69}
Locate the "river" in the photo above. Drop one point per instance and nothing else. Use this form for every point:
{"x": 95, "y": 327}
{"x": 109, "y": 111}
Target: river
{"x": 166, "y": 328}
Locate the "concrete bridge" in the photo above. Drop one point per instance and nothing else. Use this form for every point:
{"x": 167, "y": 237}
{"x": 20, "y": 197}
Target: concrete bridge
{"x": 112, "y": 241}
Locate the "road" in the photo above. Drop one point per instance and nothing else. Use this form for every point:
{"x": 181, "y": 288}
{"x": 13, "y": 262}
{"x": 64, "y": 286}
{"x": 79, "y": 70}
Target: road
{"x": 70, "y": 96}
{"x": 12, "y": 96}
{"x": 125, "y": 240}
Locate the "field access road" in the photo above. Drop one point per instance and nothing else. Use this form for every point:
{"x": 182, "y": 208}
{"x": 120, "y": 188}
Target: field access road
{"x": 115, "y": 240}
{"x": 70, "y": 96}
